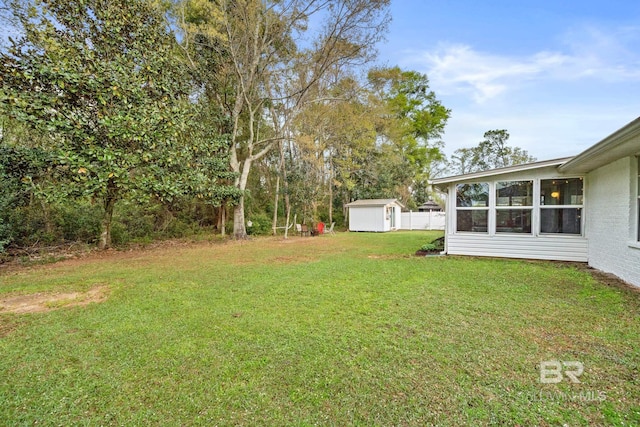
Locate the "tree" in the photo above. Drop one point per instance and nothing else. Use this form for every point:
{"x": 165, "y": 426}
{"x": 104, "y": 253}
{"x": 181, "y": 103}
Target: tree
{"x": 493, "y": 152}
{"x": 371, "y": 141}
{"x": 262, "y": 44}
{"x": 335, "y": 141}
{"x": 411, "y": 122}
{"x": 100, "y": 77}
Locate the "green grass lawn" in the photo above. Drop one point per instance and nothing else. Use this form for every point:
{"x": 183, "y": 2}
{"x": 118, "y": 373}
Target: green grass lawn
{"x": 334, "y": 330}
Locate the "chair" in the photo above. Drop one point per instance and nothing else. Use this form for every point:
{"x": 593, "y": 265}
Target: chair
{"x": 304, "y": 229}
{"x": 330, "y": 230}
{"x": 299, "y": 229}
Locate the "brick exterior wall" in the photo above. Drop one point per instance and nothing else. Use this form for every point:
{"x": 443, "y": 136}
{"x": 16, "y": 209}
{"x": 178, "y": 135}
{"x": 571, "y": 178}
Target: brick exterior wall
{"x": 611, "y": 211}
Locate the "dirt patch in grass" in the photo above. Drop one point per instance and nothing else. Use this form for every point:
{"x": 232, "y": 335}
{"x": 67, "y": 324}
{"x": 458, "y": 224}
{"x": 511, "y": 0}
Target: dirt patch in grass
{"x": 611, "y": 280}
{"x": 39, "y": 302}
{"x": 222, "y": 248}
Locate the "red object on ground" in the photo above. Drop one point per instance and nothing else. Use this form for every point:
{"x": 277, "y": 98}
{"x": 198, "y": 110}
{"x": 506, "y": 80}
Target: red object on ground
{"x": 320, "y": 227}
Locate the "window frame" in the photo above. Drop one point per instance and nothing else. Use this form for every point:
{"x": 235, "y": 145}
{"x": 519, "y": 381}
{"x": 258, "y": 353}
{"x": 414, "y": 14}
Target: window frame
{"x": 536, "y": 208}
{"x": 486, "y": 208}
{"x": 578, "y": 207}
{"x": 529, "y": 207}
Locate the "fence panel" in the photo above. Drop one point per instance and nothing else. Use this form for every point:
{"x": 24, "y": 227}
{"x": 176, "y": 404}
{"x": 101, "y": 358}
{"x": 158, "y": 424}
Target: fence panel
{"x": 422, "y": 220}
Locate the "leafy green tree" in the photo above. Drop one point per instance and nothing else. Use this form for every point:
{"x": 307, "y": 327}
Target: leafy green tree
{"x": 375, "y": 141}
{"x": 100, "y": 78}
{"x": 491, "y": 153}
{"x": 411, "y": 122}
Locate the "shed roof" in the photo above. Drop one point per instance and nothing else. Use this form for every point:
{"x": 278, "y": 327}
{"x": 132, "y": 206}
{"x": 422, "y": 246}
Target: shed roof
{"x": 373, "y": 202}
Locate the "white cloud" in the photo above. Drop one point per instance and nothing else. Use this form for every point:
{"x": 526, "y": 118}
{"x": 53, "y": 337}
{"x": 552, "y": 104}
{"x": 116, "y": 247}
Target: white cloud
{"x": 458, "y": 68}
{"x": 586, "y": 53}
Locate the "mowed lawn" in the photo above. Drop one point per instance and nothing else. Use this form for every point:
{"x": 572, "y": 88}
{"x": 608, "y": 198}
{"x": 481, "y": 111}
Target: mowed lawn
{"x": 338, "y": 330}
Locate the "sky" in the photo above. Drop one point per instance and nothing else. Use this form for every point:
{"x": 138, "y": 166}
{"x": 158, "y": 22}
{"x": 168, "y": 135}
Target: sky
{"x": 558, "y": 75}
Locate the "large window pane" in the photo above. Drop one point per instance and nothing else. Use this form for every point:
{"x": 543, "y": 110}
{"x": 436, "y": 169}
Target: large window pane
{"x": 472, "y": 220}
{"x": 561, "y": 191}
{"x": 561, "y": 220}
{"x": 514, "y": 193}
{"x": 513, "y": 221}
{"x": 476, "y": 195}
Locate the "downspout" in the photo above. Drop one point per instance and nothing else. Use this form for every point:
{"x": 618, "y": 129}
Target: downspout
{"x": 447, "y": 220}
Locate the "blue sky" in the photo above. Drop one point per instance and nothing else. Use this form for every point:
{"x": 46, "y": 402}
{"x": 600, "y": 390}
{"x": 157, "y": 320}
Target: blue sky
{"x": 558, "y": 75}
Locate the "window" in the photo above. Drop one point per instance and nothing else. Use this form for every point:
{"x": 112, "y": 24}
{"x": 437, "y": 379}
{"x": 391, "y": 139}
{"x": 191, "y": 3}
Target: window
{"x": 514, "y": 204}
{"x": 561, "y": 206}
{"x": 472, "y": 207}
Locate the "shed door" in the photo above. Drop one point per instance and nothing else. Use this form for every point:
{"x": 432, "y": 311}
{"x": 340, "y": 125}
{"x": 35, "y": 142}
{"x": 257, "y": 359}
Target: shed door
{"x": 392, "y": 216}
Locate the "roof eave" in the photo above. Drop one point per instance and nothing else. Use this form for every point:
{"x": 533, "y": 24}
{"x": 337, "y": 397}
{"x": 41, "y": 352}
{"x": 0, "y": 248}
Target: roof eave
{"x": 501, "y": 171}
{"x": 382, "y": 202}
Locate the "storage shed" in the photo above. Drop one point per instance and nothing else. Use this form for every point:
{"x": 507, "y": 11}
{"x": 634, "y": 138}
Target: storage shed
{"x": 377, "y": 215}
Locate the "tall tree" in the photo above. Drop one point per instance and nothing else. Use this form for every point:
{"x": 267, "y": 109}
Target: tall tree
{"x": 491, "y": 153}
{"x": 336, "y": 139}
{"x": 263, "y": 44}
{"x": 411, "y": 122}
{"x": 100, "y": 78}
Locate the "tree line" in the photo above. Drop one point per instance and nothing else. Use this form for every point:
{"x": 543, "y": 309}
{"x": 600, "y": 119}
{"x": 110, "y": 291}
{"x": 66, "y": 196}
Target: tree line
{"x": 141, "y": 117}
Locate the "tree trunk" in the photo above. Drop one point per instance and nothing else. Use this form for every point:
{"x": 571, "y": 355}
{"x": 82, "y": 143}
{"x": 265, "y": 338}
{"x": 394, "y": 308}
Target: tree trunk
{"x": 285, "y": 188}
{"x": 330, "y": 201}
{"x": 286, "y": 228}
{"x": 48, "y": 226}
{"x": 105, "y": 234}
{"x": 275, "y": 207}
{"x": 239, "y": 229}
{"x": 223, "y": 219}
{"x": 330, "y": 189}
{"x": 109, "y": 202}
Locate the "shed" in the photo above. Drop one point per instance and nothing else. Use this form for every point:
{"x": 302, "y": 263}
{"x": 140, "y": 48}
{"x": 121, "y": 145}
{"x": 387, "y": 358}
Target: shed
{"x": 378, "y": 215}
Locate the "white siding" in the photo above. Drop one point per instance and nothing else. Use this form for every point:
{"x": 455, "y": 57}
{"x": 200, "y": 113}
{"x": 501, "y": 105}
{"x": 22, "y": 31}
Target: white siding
{"x": 611, "y": 220}
{"x": 559, "y": 248}
{"x": 367, "y": 218}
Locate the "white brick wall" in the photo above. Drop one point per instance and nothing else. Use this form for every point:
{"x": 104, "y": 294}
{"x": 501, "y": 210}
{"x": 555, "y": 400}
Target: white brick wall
{"x": 611, "y": 220}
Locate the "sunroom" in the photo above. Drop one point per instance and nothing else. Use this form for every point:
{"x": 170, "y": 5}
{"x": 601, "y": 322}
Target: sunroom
{"x": 528, "y": 211}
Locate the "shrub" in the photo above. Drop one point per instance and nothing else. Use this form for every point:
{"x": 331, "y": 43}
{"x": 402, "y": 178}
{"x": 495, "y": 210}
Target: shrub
{"x": 79, "y": 221}
{"x": 429, "y": 247}
{"x": 260, "y": 225}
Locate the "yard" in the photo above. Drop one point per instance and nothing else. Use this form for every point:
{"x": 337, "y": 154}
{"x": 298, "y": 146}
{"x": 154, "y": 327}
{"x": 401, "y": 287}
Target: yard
{"x": 332, "y": 330}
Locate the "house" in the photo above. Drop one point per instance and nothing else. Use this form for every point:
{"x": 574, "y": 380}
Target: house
{"x": 374, "y": 215}
{"x": 584, "y": 208}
